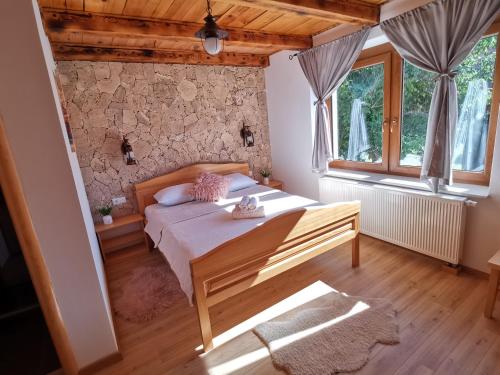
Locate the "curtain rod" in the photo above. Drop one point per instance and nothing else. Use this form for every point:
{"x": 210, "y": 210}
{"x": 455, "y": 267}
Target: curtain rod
{"x": 290, "y": 57}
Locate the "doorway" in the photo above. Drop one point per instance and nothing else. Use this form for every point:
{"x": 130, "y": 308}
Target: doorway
{"x": 25, "y": 343}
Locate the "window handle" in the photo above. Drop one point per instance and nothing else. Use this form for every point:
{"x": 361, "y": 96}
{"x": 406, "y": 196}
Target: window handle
{"x": 384, "y": 125}
{"x": 394, "y": 123}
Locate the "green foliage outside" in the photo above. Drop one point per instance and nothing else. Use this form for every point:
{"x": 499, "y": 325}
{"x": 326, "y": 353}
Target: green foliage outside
{"x": 367, "y": 84}
{"x": 419, "y": 85}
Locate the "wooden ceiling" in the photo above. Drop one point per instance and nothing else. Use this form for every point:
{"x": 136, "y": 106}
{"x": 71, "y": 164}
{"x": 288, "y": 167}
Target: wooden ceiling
{"x": 163, "y": 30}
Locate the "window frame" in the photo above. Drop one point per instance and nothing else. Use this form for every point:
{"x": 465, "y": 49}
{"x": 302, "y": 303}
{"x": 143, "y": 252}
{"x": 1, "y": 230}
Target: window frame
{"x": 382, "y": 56}
{"x": 391, "y": 143}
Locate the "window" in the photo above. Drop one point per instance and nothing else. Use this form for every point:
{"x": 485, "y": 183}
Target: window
{"x": 361, "y": 106}
{"x": 380, "y": 112}
{"x": 474, "y": 85}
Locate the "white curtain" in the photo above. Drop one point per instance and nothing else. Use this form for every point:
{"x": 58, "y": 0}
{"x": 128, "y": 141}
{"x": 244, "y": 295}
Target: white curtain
{"x": 472, "y": 128}
{"x": 358, "y": 134}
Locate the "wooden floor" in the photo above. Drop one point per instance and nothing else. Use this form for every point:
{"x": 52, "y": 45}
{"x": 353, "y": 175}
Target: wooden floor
{"x": 442, "y": 329}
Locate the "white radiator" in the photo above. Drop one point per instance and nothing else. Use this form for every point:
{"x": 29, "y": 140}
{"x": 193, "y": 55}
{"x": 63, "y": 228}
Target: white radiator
{"x": 420, "y": 221}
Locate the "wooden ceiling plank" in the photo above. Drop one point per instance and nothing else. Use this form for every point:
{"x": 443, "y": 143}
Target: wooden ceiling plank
{"x": 109, "y": 6}
{"x": 114, "y": 6}
{"x": 219, "y": 8}
{"x": 61, "y": 4}
{"x": 230, "y": 15}
{"x": 263, "y": 20}
{"x": 311, "y": 26}
{"x": 287, "y": 21}
{"x": 196, "y": 15}
{"x": 240, "y": 18}
{"x": 67, "y": 52}
{"x": 141, "y": 8}
{"x": 162, "y": 8}
{"x": 196, "y": 12}
{"x": 74, "y": 4}
{"x": 60, "y": 22}
{"x": 347, "y": 11}
{"x": 322, "y": 26}
{"x": 178, "y": 9}
{"x": 94, "y": 5}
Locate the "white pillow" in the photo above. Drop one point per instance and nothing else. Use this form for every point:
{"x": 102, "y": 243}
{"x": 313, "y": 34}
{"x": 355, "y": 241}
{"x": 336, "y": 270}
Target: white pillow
{"x": 174, "y": 195}
{"x": 238, "y": 181}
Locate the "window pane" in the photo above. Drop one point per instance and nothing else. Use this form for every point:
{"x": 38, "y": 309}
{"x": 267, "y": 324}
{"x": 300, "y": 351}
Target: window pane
{"x": 360, "y": 110}
{"x": 474, "y": 84}
{"x": 418, "y": 85}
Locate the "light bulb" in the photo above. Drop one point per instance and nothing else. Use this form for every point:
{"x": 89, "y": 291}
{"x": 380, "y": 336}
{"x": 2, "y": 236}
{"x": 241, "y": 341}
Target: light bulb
{"x": 212, "y": 45}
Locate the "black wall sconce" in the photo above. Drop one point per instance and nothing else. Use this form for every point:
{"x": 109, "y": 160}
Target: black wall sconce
{"x": 128, "y": 154}
{"x": 247, "y": 136}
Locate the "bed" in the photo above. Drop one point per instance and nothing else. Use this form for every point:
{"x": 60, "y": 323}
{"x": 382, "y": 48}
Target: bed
{"x": 216, "y": 257}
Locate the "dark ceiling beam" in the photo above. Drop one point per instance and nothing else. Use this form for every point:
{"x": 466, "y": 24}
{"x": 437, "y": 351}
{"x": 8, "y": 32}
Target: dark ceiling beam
{"x": 60, "y": 22}
{"x": 64, "y": 52}
{"x": 343, "y": 11}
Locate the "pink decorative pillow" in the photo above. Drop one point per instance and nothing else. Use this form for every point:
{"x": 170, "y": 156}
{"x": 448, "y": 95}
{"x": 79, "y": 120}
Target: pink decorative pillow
{"x": 210, "y": 187}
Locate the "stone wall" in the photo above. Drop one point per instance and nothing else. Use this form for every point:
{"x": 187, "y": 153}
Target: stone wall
{"x": 173, "y": 115}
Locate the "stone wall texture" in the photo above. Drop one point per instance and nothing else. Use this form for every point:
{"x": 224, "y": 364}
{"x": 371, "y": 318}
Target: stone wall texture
{"x": 173, "y": 116}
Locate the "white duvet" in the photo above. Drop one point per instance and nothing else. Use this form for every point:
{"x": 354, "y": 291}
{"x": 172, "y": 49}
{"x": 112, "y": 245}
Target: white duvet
{"x": 189, "y": 230}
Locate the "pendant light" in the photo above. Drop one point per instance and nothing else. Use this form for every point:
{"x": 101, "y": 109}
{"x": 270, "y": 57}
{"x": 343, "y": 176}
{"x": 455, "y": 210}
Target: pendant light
{"x": 211, "y": 36}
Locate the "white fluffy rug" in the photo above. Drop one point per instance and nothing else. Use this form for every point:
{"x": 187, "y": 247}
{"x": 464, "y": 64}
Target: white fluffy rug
{"x": 330, "y": 334}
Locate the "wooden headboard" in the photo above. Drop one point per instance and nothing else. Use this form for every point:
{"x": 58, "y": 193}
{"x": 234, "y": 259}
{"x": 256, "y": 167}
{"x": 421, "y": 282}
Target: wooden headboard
{"x": 144, "y": 191}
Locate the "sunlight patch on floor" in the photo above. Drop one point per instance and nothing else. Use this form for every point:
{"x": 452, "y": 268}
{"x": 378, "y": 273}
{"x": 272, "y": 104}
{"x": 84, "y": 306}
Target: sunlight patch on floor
{"x": 305, "y": 295}
{"x": 284, "y": 341}
{"x": 219, "y": 361}
{"x": 229, "y": 354}
{"x": 238, "y": 363}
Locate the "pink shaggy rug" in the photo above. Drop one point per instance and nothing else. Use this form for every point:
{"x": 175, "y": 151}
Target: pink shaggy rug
{"x": 148, "y": 293}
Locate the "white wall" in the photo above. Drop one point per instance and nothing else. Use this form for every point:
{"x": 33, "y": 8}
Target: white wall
{"x": 52, "y": 182}
{"x": 289, "y": 103}
{"x": 290, "y": 117}
{"x": 75, "y": 167}
{"x": 482, "y": 234}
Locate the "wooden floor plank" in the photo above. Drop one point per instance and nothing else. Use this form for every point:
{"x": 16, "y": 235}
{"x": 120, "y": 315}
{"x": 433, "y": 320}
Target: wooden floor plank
{"x": 471, "y": 350}
{"x": 491, "y": 361}
{"x": 416, "y": 322}
{"x": 440, "y": 316}
{"x": 448, "y": 335}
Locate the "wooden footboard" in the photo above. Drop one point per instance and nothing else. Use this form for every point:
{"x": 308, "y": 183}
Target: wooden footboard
{"x": 268, "y": 250}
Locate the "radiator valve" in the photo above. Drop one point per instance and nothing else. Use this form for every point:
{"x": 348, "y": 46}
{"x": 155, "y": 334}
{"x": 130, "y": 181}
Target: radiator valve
{"x": 470, "y": 203}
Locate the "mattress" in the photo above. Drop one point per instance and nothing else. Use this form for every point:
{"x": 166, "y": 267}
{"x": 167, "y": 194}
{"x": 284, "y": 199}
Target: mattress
{"x": 192, "y": 229}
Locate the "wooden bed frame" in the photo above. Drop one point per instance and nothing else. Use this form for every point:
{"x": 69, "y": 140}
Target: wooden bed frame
{"x": 274, "y": 247}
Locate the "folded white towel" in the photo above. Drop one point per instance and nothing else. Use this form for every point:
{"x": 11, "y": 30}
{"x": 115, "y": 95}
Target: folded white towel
{"x": 253, "y": 203}
{"x": 244, "y": 201}
{"x": 239, "y": 213}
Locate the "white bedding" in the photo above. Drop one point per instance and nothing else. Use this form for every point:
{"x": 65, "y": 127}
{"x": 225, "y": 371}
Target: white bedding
{"x": 189, "y": 230}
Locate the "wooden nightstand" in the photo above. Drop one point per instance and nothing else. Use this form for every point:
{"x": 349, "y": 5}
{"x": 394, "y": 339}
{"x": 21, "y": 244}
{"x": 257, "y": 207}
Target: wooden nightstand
{"x": 275, "y": 184}
{"x": 114, "y": 236}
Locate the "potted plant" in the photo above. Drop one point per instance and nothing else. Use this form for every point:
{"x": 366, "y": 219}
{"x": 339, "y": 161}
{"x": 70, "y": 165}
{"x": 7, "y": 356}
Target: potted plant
{"x": 105, "y": 212}
{"x": 265, "y": 173}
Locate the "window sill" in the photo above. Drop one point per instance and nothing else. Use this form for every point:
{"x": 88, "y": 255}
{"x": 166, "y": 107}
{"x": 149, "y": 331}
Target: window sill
{"x": 461, "y": 190}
